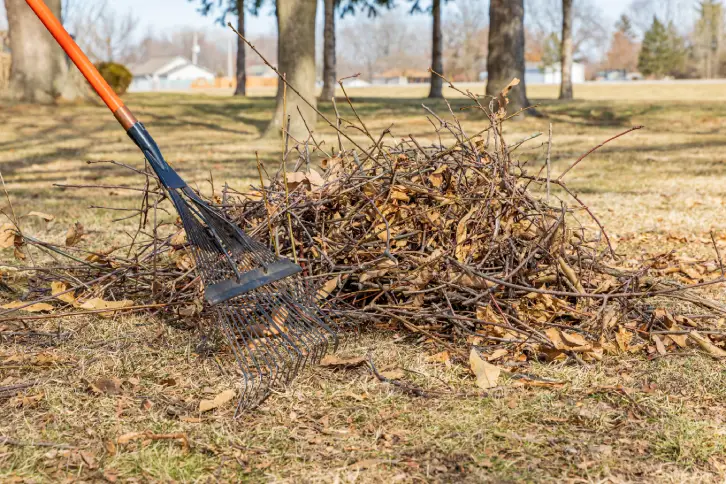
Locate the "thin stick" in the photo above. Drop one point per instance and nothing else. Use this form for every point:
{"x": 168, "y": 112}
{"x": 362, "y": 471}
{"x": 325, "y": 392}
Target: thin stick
{"x": 549, "y": 152}
{"x": 718, "y": 254}
{"x": 283, "y": 168}
{"x": 595, "y": 149}
{"x": 267, "y": 204}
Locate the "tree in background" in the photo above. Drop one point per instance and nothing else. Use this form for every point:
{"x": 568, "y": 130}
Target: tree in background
{"x": 589, "y": 34}
{"x": 296, "y": 59}
{"x": 641, "y": 12}
{"x": 623, "y": 52}
{"x": 343, "y": 7}
{"x": 39, "y": 70}
{"x": 236, "y": 8}
{"x": 708, "y": 37}
{"x": 566, "y": 51}
{"x": 506, "y": 51}
{"x": 388, "y": 42}
{"x": 662, "y": 52}
{"x": 104, "y": 34}
{"x": 465, "y": 40}
{"x": 437, "y": 44}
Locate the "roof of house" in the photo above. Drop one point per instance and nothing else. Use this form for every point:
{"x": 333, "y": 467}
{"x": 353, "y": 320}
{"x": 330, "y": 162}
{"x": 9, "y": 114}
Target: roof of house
{"x": 154, "y": 65}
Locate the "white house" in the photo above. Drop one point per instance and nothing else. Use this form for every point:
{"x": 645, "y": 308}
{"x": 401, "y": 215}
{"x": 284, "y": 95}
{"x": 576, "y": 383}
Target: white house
{"x": 536, "y": 73}
{"x": 167, "y": 74}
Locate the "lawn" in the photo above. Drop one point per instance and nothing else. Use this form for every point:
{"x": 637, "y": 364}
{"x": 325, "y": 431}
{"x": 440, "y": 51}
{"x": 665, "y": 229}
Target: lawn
{"x": 656, "y": 190}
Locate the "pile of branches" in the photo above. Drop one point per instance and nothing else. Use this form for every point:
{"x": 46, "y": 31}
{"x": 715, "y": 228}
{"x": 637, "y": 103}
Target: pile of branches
{"x": 458, "y": 243}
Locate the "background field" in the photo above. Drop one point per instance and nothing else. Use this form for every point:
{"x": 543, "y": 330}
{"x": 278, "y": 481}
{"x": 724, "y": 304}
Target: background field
{"x": 658, "y": 189}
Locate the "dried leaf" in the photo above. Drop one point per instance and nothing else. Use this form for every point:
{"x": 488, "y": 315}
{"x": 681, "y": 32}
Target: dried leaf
{"x": 574, "y": 339}
{"x": 99, "y": 304}
{"x": 108, "y": 386}
{"x": 180, "y": 238}
{"x": 75, "y": 234}
{"x": 497, "y": 354}
{"x": 33, "y": 308}
{"x": 218, "y": 401}
{"x": 396, "y": 374}
{"x": 553, "y": 334}
{"x": 58, "y": 287}
{"x": 334, "y": 361}
{"x": 487, "y": 374}
{"x": 461, "y": 234}
{"x": 327, "y": 288}
{"x": 44, "y": 216}
{"x": 706, "y": 345}
{"x": 7, "y": 236}
{"x": 659, "y": 346}
{"x": 443, "y": 357}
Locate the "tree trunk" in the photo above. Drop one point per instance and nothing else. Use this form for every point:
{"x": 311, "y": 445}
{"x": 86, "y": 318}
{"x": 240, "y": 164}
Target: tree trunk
{"x": 40, "y": 72}
{"x": 241, "y": 89}
{"x": 35, "y": 66}
{"x": 566, "y": 51}
{"x": 329, "y": 52}
{"x": 506, "y": 51}
{"x": 437, "y": 55}
{"x": 296, "y": 59}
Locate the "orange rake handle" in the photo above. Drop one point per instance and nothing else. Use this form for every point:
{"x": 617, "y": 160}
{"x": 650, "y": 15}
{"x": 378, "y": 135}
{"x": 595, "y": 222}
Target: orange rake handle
{"x": 86, "y": 67}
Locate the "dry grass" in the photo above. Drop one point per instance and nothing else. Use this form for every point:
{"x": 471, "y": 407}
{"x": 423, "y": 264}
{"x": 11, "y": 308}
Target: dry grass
{"x": 656, "y": 190}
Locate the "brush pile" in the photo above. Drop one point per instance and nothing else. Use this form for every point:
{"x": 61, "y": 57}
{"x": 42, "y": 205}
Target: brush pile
{"x": 456, "y": 243}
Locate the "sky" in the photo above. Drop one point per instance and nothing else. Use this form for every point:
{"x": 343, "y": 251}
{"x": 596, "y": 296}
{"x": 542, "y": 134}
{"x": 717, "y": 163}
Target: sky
{"x": 166, "y": 15}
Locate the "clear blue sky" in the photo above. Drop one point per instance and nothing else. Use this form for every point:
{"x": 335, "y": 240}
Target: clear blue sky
{"x": 165, "y": 15}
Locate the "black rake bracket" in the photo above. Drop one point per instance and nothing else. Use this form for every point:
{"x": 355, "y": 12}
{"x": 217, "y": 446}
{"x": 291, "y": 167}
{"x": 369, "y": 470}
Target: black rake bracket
{"x": 250, "y": 280}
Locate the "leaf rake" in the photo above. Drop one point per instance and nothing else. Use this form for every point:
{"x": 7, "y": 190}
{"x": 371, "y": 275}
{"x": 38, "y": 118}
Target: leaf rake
{"x": 262, "y": 304}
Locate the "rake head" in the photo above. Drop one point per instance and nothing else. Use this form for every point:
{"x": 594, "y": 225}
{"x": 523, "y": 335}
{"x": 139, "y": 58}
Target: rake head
{"x": 262, "y": 305}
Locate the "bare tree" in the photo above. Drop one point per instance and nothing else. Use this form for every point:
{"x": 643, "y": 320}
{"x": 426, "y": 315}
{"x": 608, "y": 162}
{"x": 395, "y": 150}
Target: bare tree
{"x": 566, "y": 51}
{"x": 103, "y": 33}
{"x": 641, "y": 13}
{"x": 329, "y": 51}
{"x": 374, "y": 46}
{"x": 437, "y": 52}
{"x": 589, "y": 34}
{"x": 296, "y": 59}
{"x": 506, "y": 51}
{"x": 465, "y": 40}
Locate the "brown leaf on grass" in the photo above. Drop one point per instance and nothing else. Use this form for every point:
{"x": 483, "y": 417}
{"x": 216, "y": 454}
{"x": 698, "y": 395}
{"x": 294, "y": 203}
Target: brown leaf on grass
{"x": 26, "y": 401}
{"x": 58, "y": 287}
{"x": 75, "y": 234}
{"x": 97, "y": 303}
{"x": 7, "y": 236}
{"x": 217, "y": 401}
{"x": 395, "y": 374}
{"x": 134, "y": 436}
{"x": 706, "y": 345}
{"x": 45, "y": 216}
{"x": 659, "y": 346}
{"x": 108, "y": 386}
{"x": 487, "y": 374}
{"x": 33, "y": 308}
{"x": 442, "y": 357}
{"x": 334, "y": 361}
{"x": 553, "y": 334}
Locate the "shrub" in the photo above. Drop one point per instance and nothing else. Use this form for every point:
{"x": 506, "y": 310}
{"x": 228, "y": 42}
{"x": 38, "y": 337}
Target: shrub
{"x": 117, "y": 76}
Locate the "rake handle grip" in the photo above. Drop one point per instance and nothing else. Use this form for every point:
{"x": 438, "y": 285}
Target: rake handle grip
{"x": 133, "y": 127}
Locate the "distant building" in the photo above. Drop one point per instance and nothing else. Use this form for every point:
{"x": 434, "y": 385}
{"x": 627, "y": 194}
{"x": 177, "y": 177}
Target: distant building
{"x": 617, "y": 75}
{"x": 402, "y": 77}
{"x": 536, "y": 73}
{"x": 167, "y": 74}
